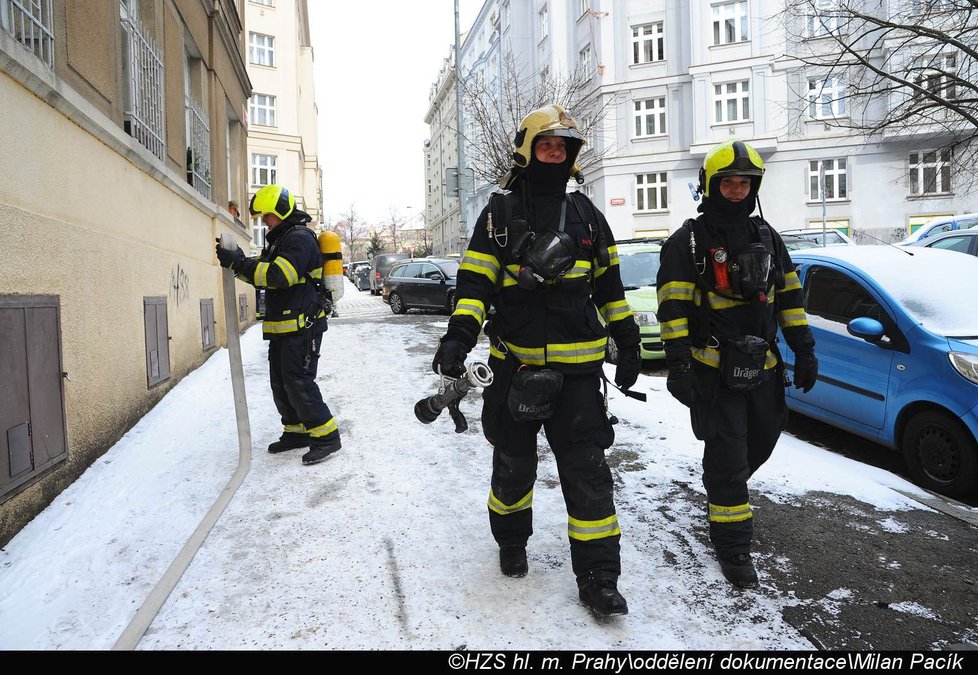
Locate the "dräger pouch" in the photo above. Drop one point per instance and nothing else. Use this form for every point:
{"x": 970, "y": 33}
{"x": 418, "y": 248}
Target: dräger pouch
{"x": 533, "y": 393}
{"x": 742, "y": 362}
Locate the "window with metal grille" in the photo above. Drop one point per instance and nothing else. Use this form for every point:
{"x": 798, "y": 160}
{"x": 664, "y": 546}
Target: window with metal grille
{"x": 31, "y": 22}
{"x": 144, "y": 114}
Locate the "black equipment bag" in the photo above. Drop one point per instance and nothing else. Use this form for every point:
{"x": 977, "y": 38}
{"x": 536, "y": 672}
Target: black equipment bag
{"x": 742, "y": 362}
{"x": 533, "y": 393}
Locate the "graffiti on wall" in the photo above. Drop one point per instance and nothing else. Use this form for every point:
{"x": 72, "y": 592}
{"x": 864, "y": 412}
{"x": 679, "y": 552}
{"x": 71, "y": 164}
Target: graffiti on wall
{"x": 179, "y": 285}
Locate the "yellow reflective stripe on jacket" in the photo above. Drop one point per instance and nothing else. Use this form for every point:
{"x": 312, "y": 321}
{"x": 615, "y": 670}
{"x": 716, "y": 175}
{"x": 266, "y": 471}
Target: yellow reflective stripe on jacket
{"x": 282, "y": 327}
{"x": 506, "y": 509}
{"x": 291, "y": 276}
{"x": 711, "y": 356}
{"x": 581, "y": 268}
{"x": 720, "y": 302}
{"x": 616, "y": 311}
{"x": 474, "y": 308}
{"x": 613, "y": 260}
{"x": 791, "y": 282}
{"x": 533, "y": 356}
{"x": 509, "y": 275}
{"x": 676, "y": 290}
{"x": 480, "y": 263}
{"x": 677, "y": 328}
{"x": 261, "y": 275}
{"x": 793, "y": 317}
{"x": 577, "y": 352}
{"x": 587, "y": 530}
{"x": 730, "y": 514}
{"x": 323, "y": 429}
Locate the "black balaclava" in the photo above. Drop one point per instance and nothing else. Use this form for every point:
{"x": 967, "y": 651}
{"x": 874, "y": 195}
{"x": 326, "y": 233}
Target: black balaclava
{"x": 724, "y": 213}
{"x": 545, "y": 187}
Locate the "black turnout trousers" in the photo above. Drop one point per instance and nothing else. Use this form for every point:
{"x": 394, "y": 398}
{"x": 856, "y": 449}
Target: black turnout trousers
{"x": 578, "y": 433}
{"x": 292, "y": 364}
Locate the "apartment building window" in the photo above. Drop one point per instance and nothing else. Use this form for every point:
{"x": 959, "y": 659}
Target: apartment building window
{"x": 935, "y": 74}
{"x": 826, "y": 98}
{"x": 544, "y": 15}
{"x": 199, "y": 148}
{"x": 648, "y": 43}
{"x": 823, "y": 19}
{"x": 261, "y": 49}
{"x": 730, "y": 22}
{"x": 582, "y": 7}
{"x": 585, "y": 61}
{"x": 258, "y": 231}
{"x": 836, "y": 179}
{"x": 143, "y": 113}
{"x": 651, "y": 191}
{"x": 650, "y": 117}
{"x": 264, "y": 169}
{"x": 731, "y": 101}
{"x": 930, "y": 172}
{"x": 504, "y": 16}
{"x": 31, "y": 23}
{"x": 263, "y": 110}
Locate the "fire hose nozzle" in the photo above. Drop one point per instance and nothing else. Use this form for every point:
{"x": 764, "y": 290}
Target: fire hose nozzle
{"x": 428, "y": 409}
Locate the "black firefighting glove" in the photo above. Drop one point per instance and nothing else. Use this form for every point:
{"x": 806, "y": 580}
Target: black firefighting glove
{"x": 806, "y": 371}
{"x": 679, "y": 382}
{"x": 450, "y": 357}
{"x": 629, "y": 366}
{"x": 229, "y": 259}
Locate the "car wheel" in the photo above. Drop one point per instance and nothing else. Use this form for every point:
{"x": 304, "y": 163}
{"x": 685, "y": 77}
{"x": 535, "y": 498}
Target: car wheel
{"x": 941, "y": 454}
{"x": 611, "y": 353}
{"x": 450, "y": 304}
{"x": 397, "y": 306}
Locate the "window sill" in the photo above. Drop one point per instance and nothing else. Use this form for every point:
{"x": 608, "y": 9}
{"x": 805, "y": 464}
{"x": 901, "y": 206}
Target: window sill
{"x": 730, "y": 44}
{"x": 657, "y": 212}
{"x": 654, "y": 137}
{"x": 645, "y": 64}
{"x": 931, "y": 195}
{"x": 261, "y": 65}
{"x": 731, "y": 124}
{"x": 818, "y": 202}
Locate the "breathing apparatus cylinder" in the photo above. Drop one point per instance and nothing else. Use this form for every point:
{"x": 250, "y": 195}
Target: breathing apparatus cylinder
{"x": 331, "y": 248}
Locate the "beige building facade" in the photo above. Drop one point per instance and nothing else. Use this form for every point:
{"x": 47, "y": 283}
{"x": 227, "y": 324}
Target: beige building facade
{"x": 122, "y": 144}
{"x": 282, "y": 115}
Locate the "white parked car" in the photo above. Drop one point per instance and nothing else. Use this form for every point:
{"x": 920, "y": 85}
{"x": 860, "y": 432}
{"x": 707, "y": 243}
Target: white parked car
{"x": 827, "y": 237}
{"x": 943, "y": 224}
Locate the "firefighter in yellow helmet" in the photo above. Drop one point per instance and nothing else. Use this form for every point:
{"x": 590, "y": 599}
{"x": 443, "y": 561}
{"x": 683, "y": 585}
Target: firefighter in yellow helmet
{"x": 545, "y": 261}
{"x": 725, "y": 284}
{"x": 290, "y": 270}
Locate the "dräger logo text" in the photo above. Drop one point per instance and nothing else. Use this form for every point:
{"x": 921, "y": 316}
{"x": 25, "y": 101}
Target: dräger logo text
{"x": 748, "y": 373}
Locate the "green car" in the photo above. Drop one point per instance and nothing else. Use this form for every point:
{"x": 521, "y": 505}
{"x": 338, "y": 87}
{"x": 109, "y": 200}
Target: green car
{"x": 639, "y": 264}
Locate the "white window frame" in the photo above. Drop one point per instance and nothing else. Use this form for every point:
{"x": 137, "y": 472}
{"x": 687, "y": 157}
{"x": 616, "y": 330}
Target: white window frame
{"x": 651, "y": 187}
{"x": 585, "y": 61}
{"x": 544, "y": 16}
{"x": 258, "y": 231}
{"x": 504, "y": 15}
{"x": 582, "y": 8}
{"x": 262, "y": 107}
{"x": 836, "y": 179}
{"x": 725, "y": 93}
{"x": 818, "y": 24}
{"x": 260, "y": 163}
{"x": 648, "y": 40}
{"x": 920, "y": 163}
{"x": 650, "y": 112}
{"x": 935, "y": 81}
{"x": 267, "y": 3}
{"x": 261, "y": 49}
{"x": 730, "y": 15}
{"x": 826, "y": 97}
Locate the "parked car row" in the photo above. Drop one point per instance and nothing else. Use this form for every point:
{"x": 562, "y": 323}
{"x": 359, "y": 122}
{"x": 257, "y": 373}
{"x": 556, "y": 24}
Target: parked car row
{"x": 421, "y": 283}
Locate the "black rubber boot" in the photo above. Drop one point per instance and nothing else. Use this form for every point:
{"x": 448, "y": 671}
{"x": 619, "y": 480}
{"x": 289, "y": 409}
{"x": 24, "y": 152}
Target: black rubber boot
{"x": 738, "y": 569}
{"x": 601, "y": 596}
{"x": 289, "y": 441}
{"x": 512, "y": 561}
{"x": 321, "y": 448}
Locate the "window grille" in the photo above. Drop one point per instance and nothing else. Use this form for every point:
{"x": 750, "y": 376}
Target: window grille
{"x": 31, "y": 23}
{"x": 143, "y": 115}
